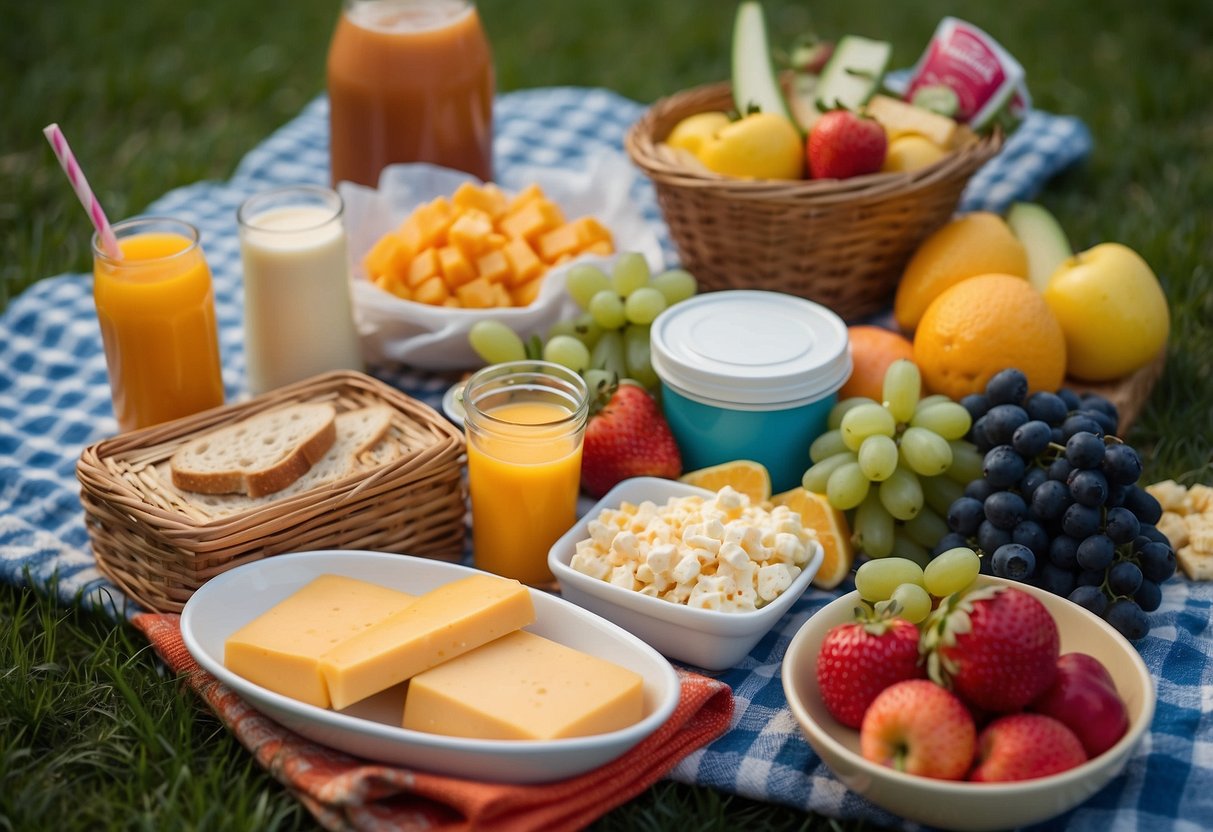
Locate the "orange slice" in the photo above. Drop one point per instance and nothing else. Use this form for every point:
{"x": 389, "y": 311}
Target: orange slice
{"x": 745, "y": 475}
{"x": 833, "y": 532}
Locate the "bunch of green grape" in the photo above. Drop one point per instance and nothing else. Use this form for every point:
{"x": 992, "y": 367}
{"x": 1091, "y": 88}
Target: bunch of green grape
{"x": 895, "y": 466}
{"x": 611, "y": 333}
{"x": 896, "y": 580}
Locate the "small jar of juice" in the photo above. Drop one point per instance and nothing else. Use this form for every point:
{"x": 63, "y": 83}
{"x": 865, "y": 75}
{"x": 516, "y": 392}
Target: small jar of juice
{"x": 409, "y": 81}
{"x": 525, "y": 422}
{"x": 156, "y": 307}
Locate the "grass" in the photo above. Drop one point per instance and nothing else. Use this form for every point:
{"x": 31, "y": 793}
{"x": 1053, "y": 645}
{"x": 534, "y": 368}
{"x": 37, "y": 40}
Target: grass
{"x": 91, "y": 733}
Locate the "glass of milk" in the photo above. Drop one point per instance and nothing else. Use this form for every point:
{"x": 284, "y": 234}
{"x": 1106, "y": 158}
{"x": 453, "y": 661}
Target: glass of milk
{"x": 298, "y": 316}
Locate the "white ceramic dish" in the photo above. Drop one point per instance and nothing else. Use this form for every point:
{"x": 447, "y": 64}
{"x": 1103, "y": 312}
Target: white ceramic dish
{"x": 970, "y": 806}
{"x": 707, "y": 638}
{"x": 434, "y": 337}
{"x": 452, "y": 403}
{"x": 370, "y": 728}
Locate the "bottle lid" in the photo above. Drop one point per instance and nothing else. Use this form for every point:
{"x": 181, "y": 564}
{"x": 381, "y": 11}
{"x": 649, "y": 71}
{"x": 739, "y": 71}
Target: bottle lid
{"x": 751, "y": 348}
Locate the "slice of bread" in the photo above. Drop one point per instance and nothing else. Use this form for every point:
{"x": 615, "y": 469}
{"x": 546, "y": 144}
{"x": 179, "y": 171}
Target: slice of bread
{"x": 358, "y": 431}
{"x": 359, "y": 446}
{"x": 257, "y": 456}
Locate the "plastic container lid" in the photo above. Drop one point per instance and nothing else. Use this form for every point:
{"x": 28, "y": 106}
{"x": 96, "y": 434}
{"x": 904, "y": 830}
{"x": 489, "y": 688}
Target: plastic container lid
{"x": 751, "y": 348}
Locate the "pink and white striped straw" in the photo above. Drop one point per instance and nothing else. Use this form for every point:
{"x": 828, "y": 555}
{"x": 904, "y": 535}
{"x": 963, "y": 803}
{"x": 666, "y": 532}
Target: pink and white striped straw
{"x": 109, "y": 243}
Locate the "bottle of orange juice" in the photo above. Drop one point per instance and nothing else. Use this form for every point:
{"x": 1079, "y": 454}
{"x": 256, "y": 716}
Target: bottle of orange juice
{"x": 525, "y": 422}
{"x": 156, "y": 307}
{"x": 409, "y": 81}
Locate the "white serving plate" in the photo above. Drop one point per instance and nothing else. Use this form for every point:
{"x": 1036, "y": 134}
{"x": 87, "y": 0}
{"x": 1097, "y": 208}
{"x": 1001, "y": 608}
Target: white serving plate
{"x": 370, "y": 728}
{"x": 961, "y": 805}
{"x": 707, "y": 638}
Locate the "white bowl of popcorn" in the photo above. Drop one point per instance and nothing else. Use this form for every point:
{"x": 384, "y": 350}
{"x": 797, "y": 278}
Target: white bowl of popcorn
{"x": 700, "y": 576}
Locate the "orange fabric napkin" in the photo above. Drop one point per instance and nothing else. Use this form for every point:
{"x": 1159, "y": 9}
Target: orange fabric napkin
{"x": 349, "y": 793}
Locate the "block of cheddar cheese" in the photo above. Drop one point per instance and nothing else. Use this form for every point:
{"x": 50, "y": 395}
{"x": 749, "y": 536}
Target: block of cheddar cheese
{"x": 438, "y": 626}
{"x": 281, "y": 648}
{"x": 524, "y": 687}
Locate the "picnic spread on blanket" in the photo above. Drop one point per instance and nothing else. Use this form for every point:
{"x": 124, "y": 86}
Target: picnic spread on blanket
{"x": 487, "y": 467}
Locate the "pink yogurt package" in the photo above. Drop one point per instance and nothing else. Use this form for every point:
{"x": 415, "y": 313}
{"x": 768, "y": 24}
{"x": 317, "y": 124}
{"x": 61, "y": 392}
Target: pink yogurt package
{"x": 983, "y": 75}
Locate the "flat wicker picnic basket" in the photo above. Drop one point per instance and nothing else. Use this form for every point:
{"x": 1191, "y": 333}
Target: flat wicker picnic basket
{"x": 159, "y": 544}
{"x": 840, "y": 243}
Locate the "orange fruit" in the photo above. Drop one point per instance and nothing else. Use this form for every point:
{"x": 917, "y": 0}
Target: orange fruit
{"x": 973, "y": 244}
{"x": 986, "y": 324}
{"x": 833, "y": 533}
{"x": 873, "y": 349}
{"x": 745, "y": 475}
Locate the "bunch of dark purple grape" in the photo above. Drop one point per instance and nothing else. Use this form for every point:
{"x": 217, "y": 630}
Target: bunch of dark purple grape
{"x": 1058, "y": 505}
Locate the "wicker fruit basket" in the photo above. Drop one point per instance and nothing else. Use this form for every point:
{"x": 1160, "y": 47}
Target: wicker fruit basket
{"x": 841, "y": 243}
{"x": 159, "y": 544}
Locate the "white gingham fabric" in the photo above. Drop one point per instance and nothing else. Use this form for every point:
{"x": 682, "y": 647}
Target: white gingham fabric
{"x": 54, "y": 400}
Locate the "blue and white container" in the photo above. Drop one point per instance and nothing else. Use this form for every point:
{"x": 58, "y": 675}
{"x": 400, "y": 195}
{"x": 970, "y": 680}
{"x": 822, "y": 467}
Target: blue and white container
{"x": 749, "y": 375}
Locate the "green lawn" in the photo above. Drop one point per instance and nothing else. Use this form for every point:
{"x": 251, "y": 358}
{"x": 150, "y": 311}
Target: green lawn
{"x": 91, "y": 733}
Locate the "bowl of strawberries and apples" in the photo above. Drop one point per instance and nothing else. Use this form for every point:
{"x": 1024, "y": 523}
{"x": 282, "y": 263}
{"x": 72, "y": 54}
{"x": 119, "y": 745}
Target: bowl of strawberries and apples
{"x": 1001, "y": 706}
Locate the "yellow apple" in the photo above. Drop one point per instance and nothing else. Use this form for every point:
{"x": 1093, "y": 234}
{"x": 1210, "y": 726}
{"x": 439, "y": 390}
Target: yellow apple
{"x": 759, "y": 146}
{"x": 691, "y": 132}
{"x": 1112, "y": 311}
{"x": 910, "y": 151}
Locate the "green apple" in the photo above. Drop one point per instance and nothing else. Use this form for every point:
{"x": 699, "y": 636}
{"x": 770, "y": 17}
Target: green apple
{"x": 1112, "y": 311}
{"x": 1043, "y": 238}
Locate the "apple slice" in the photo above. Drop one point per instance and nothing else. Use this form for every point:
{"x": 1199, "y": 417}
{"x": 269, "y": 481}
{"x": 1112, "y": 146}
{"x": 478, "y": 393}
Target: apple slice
{"x": 1042, "y": 235}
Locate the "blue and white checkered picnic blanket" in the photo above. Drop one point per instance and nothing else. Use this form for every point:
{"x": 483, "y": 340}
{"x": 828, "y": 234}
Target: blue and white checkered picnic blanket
{"x": 54, "y": 400}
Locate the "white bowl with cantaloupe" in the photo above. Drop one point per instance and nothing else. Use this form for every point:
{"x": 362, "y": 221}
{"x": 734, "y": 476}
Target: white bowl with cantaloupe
{"x": 371, "y": 728}
{"x": 397, "y": 328}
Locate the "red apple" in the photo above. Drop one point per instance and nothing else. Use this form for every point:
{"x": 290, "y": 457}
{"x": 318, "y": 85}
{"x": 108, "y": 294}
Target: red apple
{"x": 1025, "y": 746}
{"x": 920, "y": 728}
{"x": 843, "y": 144}
{"x": 1084, "y": 698}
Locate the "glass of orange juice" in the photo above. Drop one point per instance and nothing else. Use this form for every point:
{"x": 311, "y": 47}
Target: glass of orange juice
{"x": 156, "y": 307}
{"x": 525, "y": 422}
{"x": 409, "y": 81}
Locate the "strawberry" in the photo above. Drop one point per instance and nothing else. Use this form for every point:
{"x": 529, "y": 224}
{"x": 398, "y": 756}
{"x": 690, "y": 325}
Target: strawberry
{"x": 626, "y": 437}
{"x": 1023, "y": 747}
{"x": 861, "y": 658}
{"x": 844, "y": 144}
{"x": 996, "y": 647}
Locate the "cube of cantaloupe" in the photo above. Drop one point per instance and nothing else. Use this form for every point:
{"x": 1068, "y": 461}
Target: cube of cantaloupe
{"x": 389, "y": 283}
{"x": 422, "y": 268}
{"x": 558, "y": 242}
{"x": 433, "y": 291}
{"x": 488, "y": 198}
{"x": 531, "y": 220}
{"x": 501, "y": 295}
{"x": 524, "y": 263}
{"x": 524, "y": 294}
{"x": 476, "y": 294}
{"x": 428, "y": 224}
{"x": 455, "y": 267}
{"x": 494, "y": 266}
{"x": 385, "y": 256}
{"x": 470, "y": 232}
{"x": 530, "y": 193}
